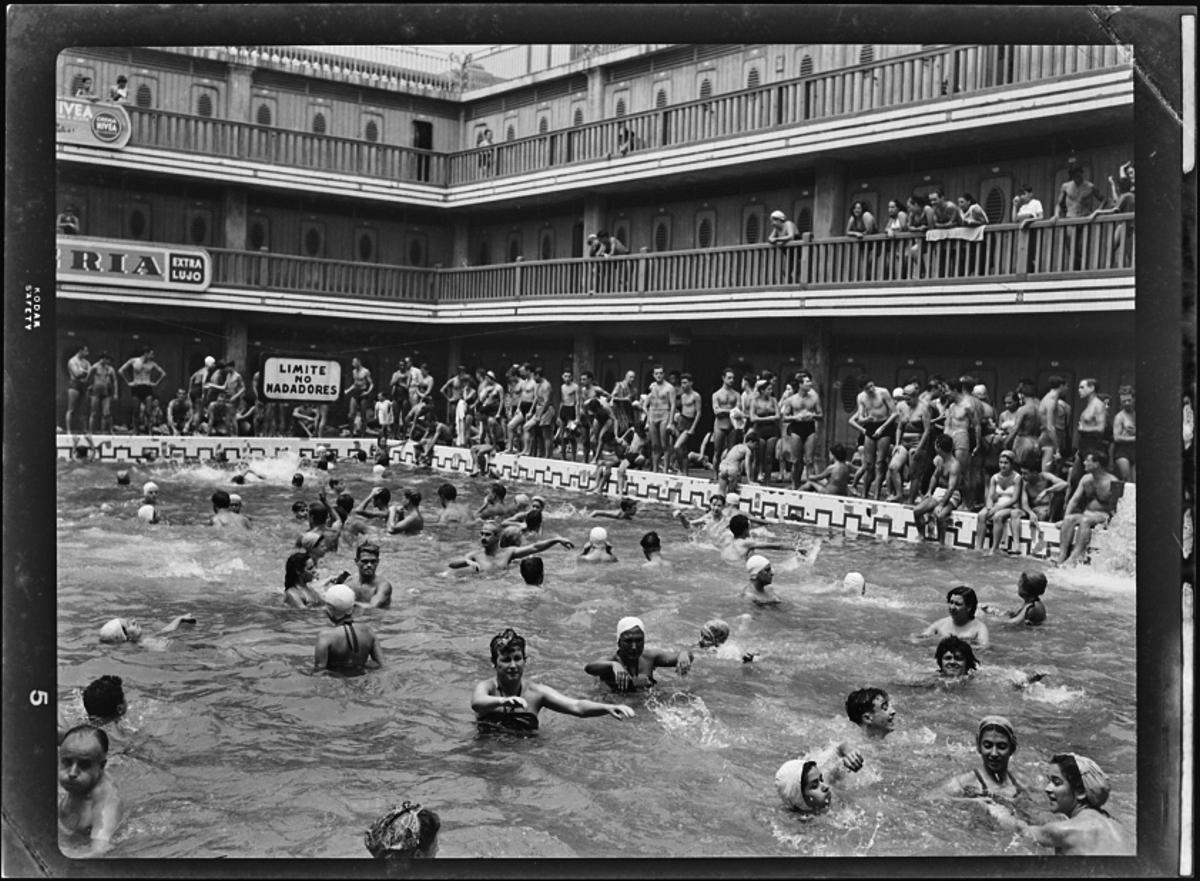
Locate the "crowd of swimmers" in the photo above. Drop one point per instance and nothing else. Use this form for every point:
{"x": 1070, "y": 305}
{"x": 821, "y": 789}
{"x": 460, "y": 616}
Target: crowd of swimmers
{"x": 510, "y": 532}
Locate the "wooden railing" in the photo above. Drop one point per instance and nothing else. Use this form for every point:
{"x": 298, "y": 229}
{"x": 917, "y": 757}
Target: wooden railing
{"x": 909, "y": 80}
{"x": 1044, "y": 249}
{"x": 159, "y": 129}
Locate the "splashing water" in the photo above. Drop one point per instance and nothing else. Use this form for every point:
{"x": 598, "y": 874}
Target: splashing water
{"x": 688, "y": 717}
{"x": 1115, "y": 549}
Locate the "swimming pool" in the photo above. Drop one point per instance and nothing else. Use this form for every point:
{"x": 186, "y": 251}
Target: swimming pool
{"x": 232, "y": 746}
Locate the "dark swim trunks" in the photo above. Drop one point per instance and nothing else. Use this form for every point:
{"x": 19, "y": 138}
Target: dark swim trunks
{"x": 803, "y": 429}
{"x": 510, "y": 720}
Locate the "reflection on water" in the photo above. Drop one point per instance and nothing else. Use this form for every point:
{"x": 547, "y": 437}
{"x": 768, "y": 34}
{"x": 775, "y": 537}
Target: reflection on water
{"x": 233, "y": 746}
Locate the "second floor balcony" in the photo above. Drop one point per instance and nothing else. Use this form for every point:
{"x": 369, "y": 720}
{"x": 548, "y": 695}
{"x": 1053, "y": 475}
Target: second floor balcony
{"x": 1080, "y": 264}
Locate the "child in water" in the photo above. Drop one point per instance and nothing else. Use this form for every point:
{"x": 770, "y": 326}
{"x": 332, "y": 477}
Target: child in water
{"x": 804, "y": 783}
{"x": 91, "y": 804}
{"x": 1030, "y": 587}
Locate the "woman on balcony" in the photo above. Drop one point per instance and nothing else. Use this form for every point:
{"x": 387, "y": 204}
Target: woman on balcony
{"x": 918, "y": 222}
{"x": 897, "y": 223}
{"x": 860, "y": 224}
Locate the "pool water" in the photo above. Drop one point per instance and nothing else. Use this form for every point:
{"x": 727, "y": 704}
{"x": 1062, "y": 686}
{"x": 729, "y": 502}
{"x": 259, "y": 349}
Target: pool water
{"x": 232, "y": 746}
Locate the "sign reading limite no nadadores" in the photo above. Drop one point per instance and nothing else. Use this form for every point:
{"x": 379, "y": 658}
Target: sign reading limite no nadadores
{"x": 301, "y": 379}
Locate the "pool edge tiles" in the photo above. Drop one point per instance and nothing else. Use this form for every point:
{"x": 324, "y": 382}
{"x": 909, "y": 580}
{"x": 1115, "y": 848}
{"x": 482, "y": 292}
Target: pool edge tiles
{"x": 883, "y": 520}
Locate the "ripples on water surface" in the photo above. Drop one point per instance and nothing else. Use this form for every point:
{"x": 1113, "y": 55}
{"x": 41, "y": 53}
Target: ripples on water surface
{"x": 232, "y": 745}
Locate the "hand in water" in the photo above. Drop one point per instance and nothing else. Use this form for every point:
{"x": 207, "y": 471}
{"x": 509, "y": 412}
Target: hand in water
{"x": 620, "y": 711}
{"x": 853, "y": 760}
{"x": 621, "y": 677}
{"x": 512, "y": 703}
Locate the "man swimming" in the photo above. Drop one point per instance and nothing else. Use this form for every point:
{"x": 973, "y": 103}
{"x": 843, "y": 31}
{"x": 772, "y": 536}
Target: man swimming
{"x": 90, "y": 806}
{"x": 369, "y": 589}
{"x": 491, "y": 556}
{"x": 872, "y": 711}
{"x": 633, "y": 665}
{"x": 742, "y": 545}
{"x": 508, "y": 701}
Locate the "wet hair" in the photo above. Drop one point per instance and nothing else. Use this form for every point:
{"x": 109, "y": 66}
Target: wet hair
{"x": 507, "y": 639}
{"x": 1033, "y": 582}
{"x": 628, "y": 504}
{"x": 300, "y": 507}
{"x": 838, "y": 451}
{"x": 651, "y": 542}
{"x": 739, "y": 524}
{"x": 533, "y": 570}
{"x": 297, "y": 479}
{"x": 383, "y": 497}
{"x": 221, "y": 500}
{"x": 98, "y": 733}
{"x": 533, "y": 519}
{"x": 498, "y": 489}
{"x": 122, "y": 478}
{"x": 861, "y": 702}
{"x": 104, "y": 698}
{"x": 318, "y": 513}
{"x": 411, "y": 495}
{"x": 293, "y": 569}
{"x": 239, "y": 479}
{"x": 448, "y": 492}
{"x": 367, "y": 547}
{"x": 958, "y": 646}
{"x": 968, "y": 595}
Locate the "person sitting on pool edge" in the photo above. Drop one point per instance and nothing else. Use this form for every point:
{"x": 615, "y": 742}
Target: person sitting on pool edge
{"x": 633, "y": 665}
{"x": 804, "y": 783}
{"x": 346, "y": 646}
{"x": 996, "y": 742}
{"x": 507, "y": 700}
{"x": 491, "y": 556}
{"x": 871, "y": 710}
{"x": 714, "y": 636}
{"x": 759, "y": 587}
{"x": 405, "y": 832}
{"x": 597, "y": 549}
{"x": 961, "y": 621}
{"x": 1078, "y": 789}
{"x": 1030, "y": 587}
{"x": 91, "y": 804}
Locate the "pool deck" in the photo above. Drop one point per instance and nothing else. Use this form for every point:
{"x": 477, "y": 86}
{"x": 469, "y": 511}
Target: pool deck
{"x": 882, "y": 520}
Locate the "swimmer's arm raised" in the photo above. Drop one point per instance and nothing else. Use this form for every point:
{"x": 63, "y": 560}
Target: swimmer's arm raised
{"x": 539, "y": 546}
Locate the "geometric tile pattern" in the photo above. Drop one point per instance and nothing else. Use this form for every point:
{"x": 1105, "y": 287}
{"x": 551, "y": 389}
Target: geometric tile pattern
{"x": 851, "y": 515}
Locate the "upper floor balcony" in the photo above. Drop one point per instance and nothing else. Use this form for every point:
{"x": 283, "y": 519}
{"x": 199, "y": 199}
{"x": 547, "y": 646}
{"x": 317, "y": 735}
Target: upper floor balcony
{"x": 900, "y": 103}
{"x": 1046, "y": 266}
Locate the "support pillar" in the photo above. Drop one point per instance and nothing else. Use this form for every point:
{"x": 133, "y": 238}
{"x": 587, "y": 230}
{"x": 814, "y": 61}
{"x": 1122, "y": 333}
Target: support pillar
{"x": 595, "y": 94}
{"x": 236, "y": 347}
{"x": 585, "y": 351}
{"x": 239, "y": 92}
{"x": 235, "y": 220}
{"x": 816, "y": 354}
{"x": 461, "y": 254}
{"x": 829, "y": 199}
{"x": 453, "y": 359}
{"x": 595, "y": 214}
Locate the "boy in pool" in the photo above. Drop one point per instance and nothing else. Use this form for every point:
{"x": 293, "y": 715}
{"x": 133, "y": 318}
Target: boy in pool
{"x": 405, "y": 832}
{"x": 597, "y": 549}
{"x": 91, "y": 804}
{"x": 652, "y": 548}
{"x": 804, "y": 783}
{"x": 345, "y": 646}
{"x": 1078, "y": 789}
{"x": 1030, "y": 587}
{"x": 871, "y": 710}
{"x": 104, "y": 699}
{"x": 961, "y": 621}
{"x": 508, "y": 701}
{"x": 633, "y": 665}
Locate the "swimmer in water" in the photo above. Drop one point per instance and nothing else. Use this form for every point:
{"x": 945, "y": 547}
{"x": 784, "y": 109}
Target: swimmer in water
{"x": 996, "y": 742}
{"x": 714, "y": 636}
{"x": 321, "y": 538}
{"x": 369, "y": 590}
{"x": 652, "y": 548}
{"x": 961, "y": 621}
{"x": 405, "y": 832}
{"x": 494, "y": 505}
{"x": 804, "y": 783}
{"x": 521, "y": 529}
{"x": 1078, "y": 790}
{"x": 104, "y": 699}
{"x": 1030, "y": 587}
{"x": 633, "y": 665}
{"x": 761, "y": 575}
{"x": 406, "y": 519}
{"x": 129, "y": 630}
{"x": 148, "y": 512}
{"x": 627, "y": 510}
{"x": 872, "y": 711}
{"x": 299, "y": 570}
{"x": 955, "y": 658}
{"x": 597, "y": 549}
{"x": 223, "y": 515}
{"x": 742, "y": 545}
{"x": 345, "y": 646}
{"x": 533, "y": 571}
{"x": 854, "y": 582}
{"x": 90, "y": 805}
{"x": 490, "y": 556}
{"x": 508, "y": 701}
{"x": 453, "y": 511}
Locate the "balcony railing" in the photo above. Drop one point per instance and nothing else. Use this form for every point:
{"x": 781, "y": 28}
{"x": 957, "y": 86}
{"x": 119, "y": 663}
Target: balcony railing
{"x": 895, "y": 82}
{"x": 1041, "y": 250}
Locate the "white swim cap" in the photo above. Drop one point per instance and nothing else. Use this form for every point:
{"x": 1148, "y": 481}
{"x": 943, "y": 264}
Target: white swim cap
{"x": 149, "y": 487}
{"x": 378, "y": 469}
{"x": 341, "y": 599}
{"x": 598, "y": 535}
{"x": 854, "y": 581}
{"x": 628, "y": 623}
{"x": 113, "y": 631}
{"x": 235, "y": 499}
{"x": 320, "y": 450}
{"x": 979, "y": 391}
{"x": 521, "y": 499}
{"x": 789, "y": 783}
{"x": 147, "y": 513}
{"x": 732, "y": 499}
{"x": 897, "y": 392}
{"x": 756, "y": 564}
{"x": 209, "y": 361}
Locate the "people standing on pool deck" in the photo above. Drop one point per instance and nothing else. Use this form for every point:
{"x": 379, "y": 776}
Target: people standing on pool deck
{"x": 686, "y": 419}
{"x": 507, "y": 700}
{"x": 141, "y": 381}
{"x": 1030, "y": 587}
{"x": 874, "y": 407}
{"x": 78, "y": 368}
{"x": 369, "y": 589}
{"x": 633, "y": 665}
{"x": 801, "y": 414}
{"x": 491, "y": 556}
{"x": 1124, "y": 436}
{"x": 996, "y": 742}
{"x": 90, "y": 806}
{"x": 944, "y": 494}
{"x": 102, "y": 391}
{"x": 1092, "y": 505}
{"x": 660, "y": 414}
{"x": 1078, "y": 789}
{"x": 804, "y": 783}
{"x": 872, "y": 711}
{"x": 961, "y": 621}
{"x": 345, "y": 646}
{"x": 761, "y": 575}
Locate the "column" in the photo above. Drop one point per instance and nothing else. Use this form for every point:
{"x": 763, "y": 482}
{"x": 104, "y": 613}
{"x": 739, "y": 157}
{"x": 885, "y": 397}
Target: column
{"x": 235, "y": 219}
{"x": 236, "y": 350}
{"x": 816, "y": 356}
{"x": 829, "y": 200}
{"x": 461, "y": 255}
{"x": 240, "y": 85}
{"x": 595, "y": 91}
{"x": 585, "y": 351}
{"x": 595, "y": 215}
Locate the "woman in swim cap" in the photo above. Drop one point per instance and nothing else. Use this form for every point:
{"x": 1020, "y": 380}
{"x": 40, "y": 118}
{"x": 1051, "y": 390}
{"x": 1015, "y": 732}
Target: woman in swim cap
{"x": 597, "y": 549}
{"x": 996, "y": 742}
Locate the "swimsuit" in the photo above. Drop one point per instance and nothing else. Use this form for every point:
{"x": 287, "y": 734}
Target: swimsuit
{"x": 1124, "y": 450}
{"x": 141, "y": 390}
{"x": 1090, "y": 442}
{"x": 79, "y": 384}
{"x": 869, "y": 428}
{"x": 802, "y": 429}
